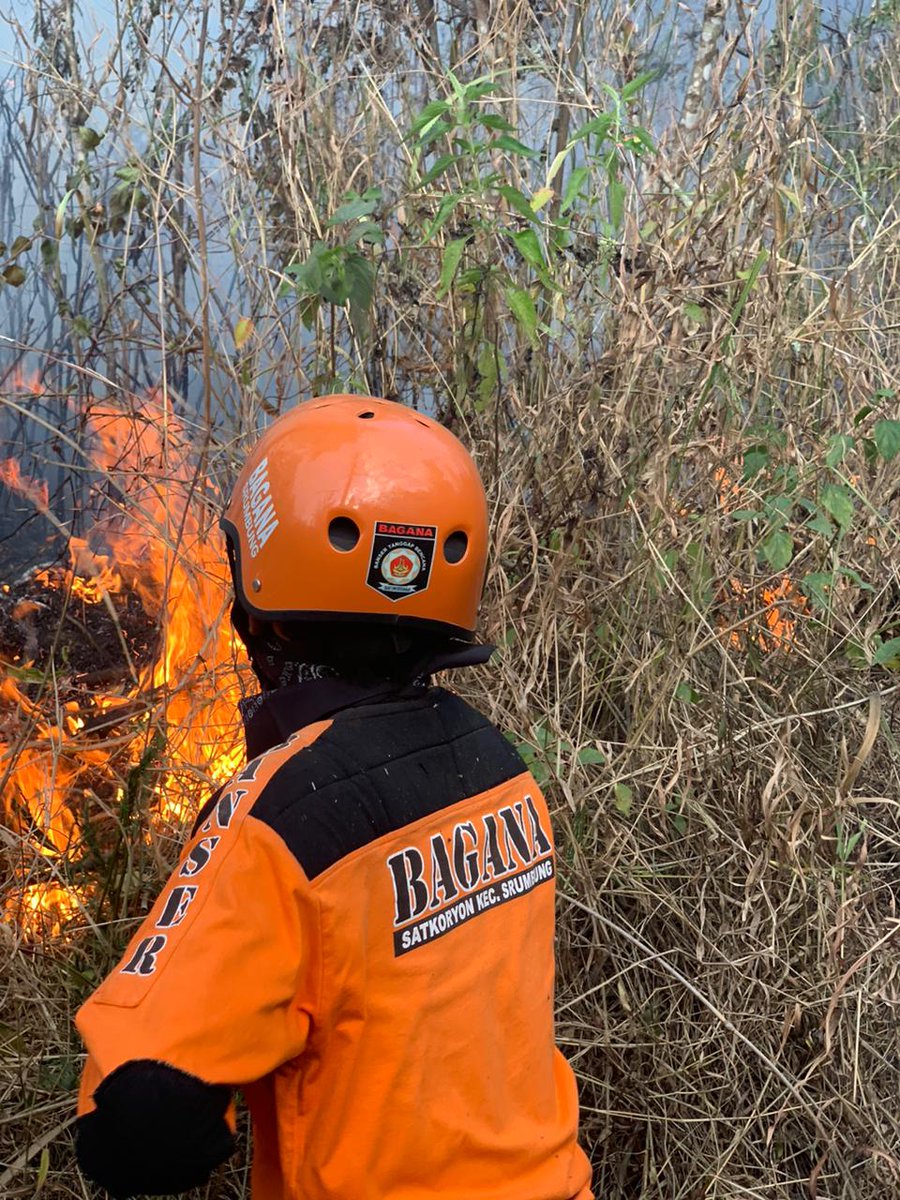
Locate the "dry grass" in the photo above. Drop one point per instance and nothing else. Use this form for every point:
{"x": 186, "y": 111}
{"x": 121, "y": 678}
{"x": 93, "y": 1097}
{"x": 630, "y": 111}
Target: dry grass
{"x": 725, "y": 776}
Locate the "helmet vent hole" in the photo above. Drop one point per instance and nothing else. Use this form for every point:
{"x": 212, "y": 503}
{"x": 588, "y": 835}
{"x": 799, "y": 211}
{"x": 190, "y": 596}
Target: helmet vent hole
{"x": 366, "y": 416}
{"x": 343, "y": 533}
{"x": 421, "y": 422}
{"x": 455, "y": 547}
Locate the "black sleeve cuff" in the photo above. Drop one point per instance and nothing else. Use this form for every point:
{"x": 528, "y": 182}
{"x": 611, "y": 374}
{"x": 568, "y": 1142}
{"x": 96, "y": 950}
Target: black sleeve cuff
{"x": 155, "y": 1130}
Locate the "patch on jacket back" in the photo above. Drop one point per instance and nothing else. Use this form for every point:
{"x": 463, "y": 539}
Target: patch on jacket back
{"x": 467, "y": 869}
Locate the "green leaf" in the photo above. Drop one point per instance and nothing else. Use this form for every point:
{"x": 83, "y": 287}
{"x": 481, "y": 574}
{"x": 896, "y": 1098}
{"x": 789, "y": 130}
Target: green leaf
{"x": 777, "y": 549}
{"x": 14, "y": 275}
{"x": 633, "y": 86}
{"x": 573, "y": 187}
{"x": 623, "y": 797}
{"x": 476, "y": 89}
{"x": 438, "y": 129}
{"x": 470, "y": 279}
{"x": 334, "y": 288}
{"x": 308, "y": 308}
{"x": 888, "y": 653}
{"x": 686, "y": 693}
{"x": 820, "y": 524}
{"x": 640, "y": 135}
{"x": 541, "y": 198}
{"x": 780, "y": 508}
{"x": 49, "y": 252}
{"x": 521, "y": 305}
{"x": 90, "y": 139}
{"x": 543, "y": 736}
{"x": 756, "y": 459}
{"x": 81, "y": 327}
{"x": 527, "y": 244}
{"x": 517, "y": 200}
{"x": 512, "y": 146}
{"x": 839, "y": 447}
{"x": 598, "y": 126}
{"x": 817, "y": 585}
{"x": 676, "y": 818}
{"x": 444, "y": 213}
{"x": 616, "y": 202}
{"x": 694, "y": 312}
{"x": 496, "y": 123}
{"x": 453, "y": 252}
{"x": 749, "y": 278}
{"x": 367, "y": 232}
{"x": 242, "y": 332}
{"x": 837, "y": 501}
{"x": 438, "y": 167}
{"x": 359, "y": 274}
{"x": 856, "y": 578}
{"x": 427, "y": 117}
{"x": 355, "y": 207}
{"x": 558, "y": 159}
{"x": 887, "y": 438}
{"x": 541, "y": 773}
{"x": 589, "y": 756}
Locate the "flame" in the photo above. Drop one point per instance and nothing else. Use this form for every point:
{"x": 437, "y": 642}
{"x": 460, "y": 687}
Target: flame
{"x": 151, "y": 544}
{"x": 35, "y": 490}
{"x": 20, "y": 382}
{"x": 40, "y": 784}
{"x": 728, "y": 493}
{"x": 43, "y": 910}
{"x": 781, "y": 605}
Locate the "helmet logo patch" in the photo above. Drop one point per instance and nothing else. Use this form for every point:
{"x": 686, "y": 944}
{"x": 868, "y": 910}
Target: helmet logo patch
{"x": 258, "y": 508}
{"x": 401, "y": 558}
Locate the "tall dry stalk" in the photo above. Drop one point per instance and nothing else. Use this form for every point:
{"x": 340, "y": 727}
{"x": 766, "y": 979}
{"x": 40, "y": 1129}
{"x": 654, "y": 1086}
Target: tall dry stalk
{"x": 683, "y": 403}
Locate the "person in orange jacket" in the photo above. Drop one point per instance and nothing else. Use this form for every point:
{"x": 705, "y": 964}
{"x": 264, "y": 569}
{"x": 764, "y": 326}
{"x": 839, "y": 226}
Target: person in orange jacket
{"x": 359, "y": 932}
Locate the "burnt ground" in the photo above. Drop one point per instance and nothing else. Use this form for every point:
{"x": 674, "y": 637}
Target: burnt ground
{"x": 41, "y": 623}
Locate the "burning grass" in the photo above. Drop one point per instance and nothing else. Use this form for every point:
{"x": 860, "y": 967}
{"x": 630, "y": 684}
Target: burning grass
{"x": 689, "y": 428}
{"x": 119, "y": 687}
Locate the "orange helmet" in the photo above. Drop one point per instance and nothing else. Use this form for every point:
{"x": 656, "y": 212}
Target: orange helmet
{"x": 352, "y": 507}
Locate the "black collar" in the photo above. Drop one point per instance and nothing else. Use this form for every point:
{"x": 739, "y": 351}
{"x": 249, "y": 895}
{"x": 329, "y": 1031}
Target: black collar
{"x": 271, "y": 717}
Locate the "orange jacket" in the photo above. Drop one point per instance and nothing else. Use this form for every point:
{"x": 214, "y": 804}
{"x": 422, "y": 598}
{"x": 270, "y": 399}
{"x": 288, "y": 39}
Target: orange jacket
{"x": 359, "y": 936}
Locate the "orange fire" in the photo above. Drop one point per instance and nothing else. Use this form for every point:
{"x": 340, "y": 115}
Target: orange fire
{"x": 152, "y": 543}
{"x": 20, "y": 382}
{"x": 34, "y": 490}
{"x": 43, "y": 910}
{"x": 779, "y": 607}
{"x": 728, "y": 493}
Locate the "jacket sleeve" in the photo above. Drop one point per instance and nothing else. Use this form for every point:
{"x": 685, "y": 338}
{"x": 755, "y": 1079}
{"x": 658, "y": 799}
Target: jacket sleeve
{"x": 216, "y": 989}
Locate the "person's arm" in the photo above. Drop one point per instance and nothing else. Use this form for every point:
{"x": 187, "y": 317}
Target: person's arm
{"x": 215, "y": 990}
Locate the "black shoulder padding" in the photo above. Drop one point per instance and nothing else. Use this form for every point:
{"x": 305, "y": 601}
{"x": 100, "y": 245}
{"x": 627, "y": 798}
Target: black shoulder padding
{"x": 155, "y": 1130}
{"x": 378, "y": 768}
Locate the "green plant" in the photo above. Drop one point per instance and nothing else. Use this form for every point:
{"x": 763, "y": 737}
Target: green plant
{"x": 506, "y": 228}
{"x": 340, "y": 273}
{"x": 11, "y": 270}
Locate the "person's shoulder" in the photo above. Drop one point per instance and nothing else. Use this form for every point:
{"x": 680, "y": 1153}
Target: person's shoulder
{"x": 255, "y": 776}
{"x": 378, "y": 767}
